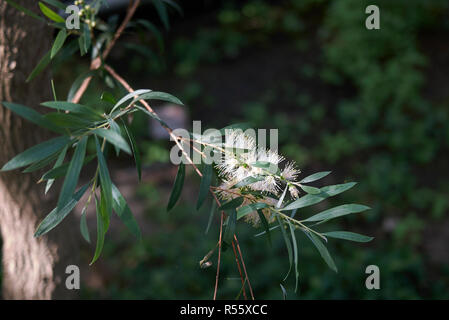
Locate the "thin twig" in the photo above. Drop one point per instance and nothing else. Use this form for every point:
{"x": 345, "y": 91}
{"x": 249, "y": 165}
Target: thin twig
{"x": 244, "y": 267}
{"x": 147, "y": 106}
{"x": 240, "y": 271}
{"x": 219, "y": 256}
{"x": 96, "y": 63}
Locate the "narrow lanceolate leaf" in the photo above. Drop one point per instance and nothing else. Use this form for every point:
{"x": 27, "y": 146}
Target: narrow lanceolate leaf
{"x": 212, "y": 210}
{"x": 322, "y": 250}
{"x": 232, "y": 204}
{"x": 67, "y": 120}
{"x": 41, "y": 164}
{"x": 135, "y": 151}
{"x": 177, "y": 187}
{"x": 50, "y": 13}
{"x": 230, "y": 227}
{"x": 61, "y": 170}
{"x": 311, "y": 199}
{"x": 123, "y": 211}
{"x": 71, "y": 179}
{"x": 57, "y": 215}
{"x": 36, "y": 153}
{"x": 295, "y": 254}
{"x": 59, "y": 42}
{"x": 24, "y": 10}
{"x": 248, "y": 181}
{"x": 73, "y": 107}
{"x": 128, "y": 97}
{"x": 101, "y": 230}
{"x": 315, "y": 176}
{"x": 83, "y": 226}
{"x": 105, "y": 179}
{"x": 43, "y": 63}
{"x": 338, "y": 212}
{"x": 162, "y": 12}
{"x": 58, "y": 162}
{"x": 86, "y": 37}
{"x": 310, "y": 190}
{"x": 32, "y": 116}
{"x": 116, "y": 128}
{"x": 205, "y": 184}
{"x": 265, "y": 225}
{"x": 243, "y": 211}
{"x": 77, "y": 83}
{"x": 56, "y": 3}
{"x": 113, "y": 138}
{"x": 287, "y": 244}
{"x": 156, "y": 95}
{"x": 346, "y": 235}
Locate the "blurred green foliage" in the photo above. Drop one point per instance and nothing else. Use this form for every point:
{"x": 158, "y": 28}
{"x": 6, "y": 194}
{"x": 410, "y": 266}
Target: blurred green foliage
{"x": 377, "y": 124}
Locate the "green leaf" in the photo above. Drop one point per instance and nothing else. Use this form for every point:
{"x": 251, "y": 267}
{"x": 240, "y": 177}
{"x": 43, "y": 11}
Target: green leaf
{"x": 71, "y": 179}
{"x": 57, "y": 215}
{"x": 86, "y": 37}
{"x": 77, "y": 83}
{"x": 243, "y": 211}
{"x": 83, "y": 226}
{"x": 25, "y": 10}
{"x": 43, "y": 63}
{"x": 322, "y": 250}
{"x": 151, "y": 27}
{"x": 206, "y": 180}
{"x": 135, "y": 150}
{"x": 346, "y": 235}
{"x": 265, "y": 225}
{"x": 287, "y": 244}
{"x": 338, "y": 212}
{"x": 311, "y": 199}
{"x": 105, "y": 179}
{"x": 41, "y": 164}
{"x": 162, "y": 12}
{"x": 59, "y": 42}
{"x": 177, "y": 187}
{"x": 74, "y": 108}
{"x": 67, "y": 120}
{"x": 295, "y": 254}
{"x": 268, "y": 166}
{"x": 101, "y": 230}
{"x": 248, "y": 181}
{"x": 61, "y": 170}
{"x": 123, "y": 211}
{"x": 108, "y": 97}
{"x": 310, "y": 190}
{"x": 81, "y": 44}
{"x": 129, "y": 96}
{"x": 36, "y": 153}
{"x": 32, "y": 116}
{"x": 114, "y": 138}
{"x": 58, "y": 162}
{"x": 156, "y": 95}
{"x": 213, "y": 208}
{"x": 230, "y": 226}
{"x": 56, "y": 3}
{"x": 50, "y": 13}
{"x": 232, "y": 204}
{"x": 315, "y": 176}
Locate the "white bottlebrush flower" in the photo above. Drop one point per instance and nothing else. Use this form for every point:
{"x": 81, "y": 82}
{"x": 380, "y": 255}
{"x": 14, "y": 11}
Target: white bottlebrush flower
{"x": 290, "y": 172}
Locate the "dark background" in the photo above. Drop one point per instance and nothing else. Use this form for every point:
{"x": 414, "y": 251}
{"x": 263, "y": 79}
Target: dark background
{"x": 370, "y": 105}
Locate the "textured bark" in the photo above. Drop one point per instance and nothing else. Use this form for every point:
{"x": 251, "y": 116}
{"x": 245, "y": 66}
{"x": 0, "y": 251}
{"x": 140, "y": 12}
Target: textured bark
{"x": 32, "y": 268}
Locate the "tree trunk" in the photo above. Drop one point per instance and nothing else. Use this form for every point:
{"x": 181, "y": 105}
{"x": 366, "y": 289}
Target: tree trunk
{"x": 32, "y": 268}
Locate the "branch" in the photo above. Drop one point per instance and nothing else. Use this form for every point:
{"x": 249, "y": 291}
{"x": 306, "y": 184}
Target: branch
{"x": 96, "y": 63}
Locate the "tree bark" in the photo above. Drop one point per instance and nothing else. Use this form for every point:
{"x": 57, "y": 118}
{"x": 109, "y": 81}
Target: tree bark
{"x": 33, "y": 268}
